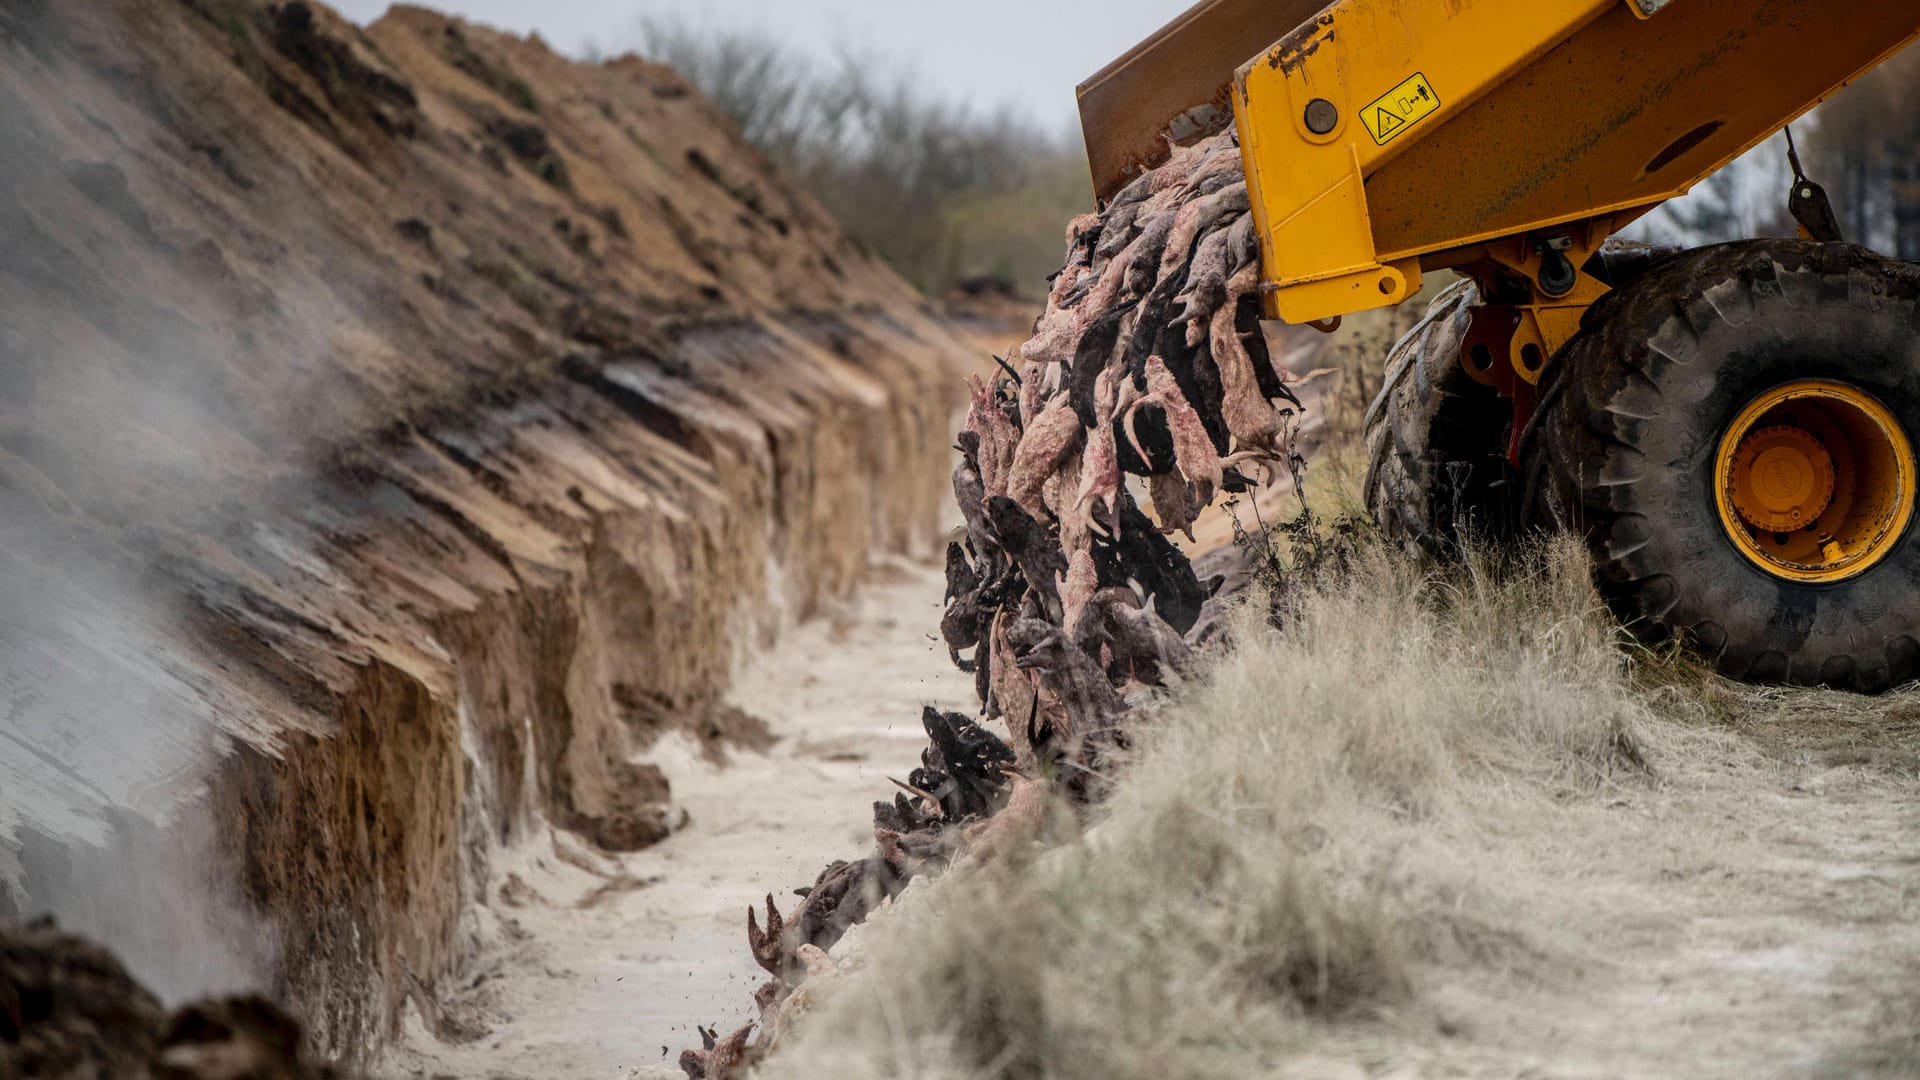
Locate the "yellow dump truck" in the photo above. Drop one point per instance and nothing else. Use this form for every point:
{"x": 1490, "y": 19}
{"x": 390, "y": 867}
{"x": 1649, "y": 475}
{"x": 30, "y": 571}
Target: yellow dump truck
{"x": 1733, "y": 427}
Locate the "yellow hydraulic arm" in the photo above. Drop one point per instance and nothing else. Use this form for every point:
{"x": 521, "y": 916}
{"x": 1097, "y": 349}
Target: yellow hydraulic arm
{"x": 1386, "y": 137}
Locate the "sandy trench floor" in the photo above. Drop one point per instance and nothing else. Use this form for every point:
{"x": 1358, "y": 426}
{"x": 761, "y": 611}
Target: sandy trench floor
{"x": 610, "y": 962}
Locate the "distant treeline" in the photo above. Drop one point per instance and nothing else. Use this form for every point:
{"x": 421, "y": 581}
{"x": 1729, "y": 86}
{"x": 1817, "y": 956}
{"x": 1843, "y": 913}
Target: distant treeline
{"x": 946, "y": 194}
{"x": 1866, "y": 147}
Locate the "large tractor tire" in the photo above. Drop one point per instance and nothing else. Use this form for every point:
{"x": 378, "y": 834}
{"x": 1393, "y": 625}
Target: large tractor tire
{"x": 1734, "y": 432}
{"x": 1436, "y": 439}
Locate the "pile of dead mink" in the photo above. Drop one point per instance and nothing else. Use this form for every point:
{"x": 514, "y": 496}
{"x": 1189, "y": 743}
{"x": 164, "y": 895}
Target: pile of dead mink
{"x": 1066, "y": 596}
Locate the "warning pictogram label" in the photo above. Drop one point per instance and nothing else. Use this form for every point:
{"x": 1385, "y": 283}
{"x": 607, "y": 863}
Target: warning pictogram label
{"x": 1400, "y": 108}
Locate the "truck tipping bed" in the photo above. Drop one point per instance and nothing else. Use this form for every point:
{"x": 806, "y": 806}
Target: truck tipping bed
{"x": 1518, "y": 116}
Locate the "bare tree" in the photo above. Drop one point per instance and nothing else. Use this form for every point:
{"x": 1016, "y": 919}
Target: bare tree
{"x": 1866, "y": 150}
{"x": 943, "y": 192}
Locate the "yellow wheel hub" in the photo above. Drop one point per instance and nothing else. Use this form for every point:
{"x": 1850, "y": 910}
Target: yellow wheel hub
{"x": 1815, "y": 481}
{"x": 1782, "y": 478}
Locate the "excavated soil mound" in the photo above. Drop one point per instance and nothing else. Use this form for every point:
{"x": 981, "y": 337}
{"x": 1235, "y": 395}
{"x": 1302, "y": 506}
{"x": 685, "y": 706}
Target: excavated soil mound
{"x": 68, "y": 1008}
{"x": 399, "y": 429}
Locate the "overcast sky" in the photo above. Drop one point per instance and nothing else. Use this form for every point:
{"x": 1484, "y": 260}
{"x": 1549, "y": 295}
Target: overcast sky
{"x": 1028, "y": 53}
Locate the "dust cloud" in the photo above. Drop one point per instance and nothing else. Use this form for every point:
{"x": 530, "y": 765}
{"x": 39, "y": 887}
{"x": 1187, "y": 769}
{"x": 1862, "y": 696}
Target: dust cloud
{"x": 114, "y": 439}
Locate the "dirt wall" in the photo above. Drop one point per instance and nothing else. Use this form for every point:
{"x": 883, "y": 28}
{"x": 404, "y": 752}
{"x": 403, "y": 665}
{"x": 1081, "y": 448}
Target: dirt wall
{"x": 399, "y": 431}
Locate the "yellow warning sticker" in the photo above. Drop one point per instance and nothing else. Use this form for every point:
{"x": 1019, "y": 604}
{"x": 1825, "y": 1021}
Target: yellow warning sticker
{"x": 1400, "y": 108}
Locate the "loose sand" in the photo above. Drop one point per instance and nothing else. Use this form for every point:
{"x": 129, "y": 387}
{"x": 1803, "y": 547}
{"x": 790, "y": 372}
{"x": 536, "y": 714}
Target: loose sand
{"x": 609, "y": 962}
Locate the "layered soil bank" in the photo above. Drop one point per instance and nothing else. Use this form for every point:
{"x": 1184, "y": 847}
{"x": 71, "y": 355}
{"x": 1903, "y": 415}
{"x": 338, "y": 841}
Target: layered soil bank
{"x": 399, "y": 429}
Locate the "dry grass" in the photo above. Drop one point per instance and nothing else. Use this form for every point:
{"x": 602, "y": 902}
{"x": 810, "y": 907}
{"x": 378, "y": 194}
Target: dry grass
{"x": 1447, "y": 822}
{"x": 1443, "y": 822}
{"x": 1798, "y": 726}
{"x": 1274, "y": 860}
